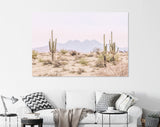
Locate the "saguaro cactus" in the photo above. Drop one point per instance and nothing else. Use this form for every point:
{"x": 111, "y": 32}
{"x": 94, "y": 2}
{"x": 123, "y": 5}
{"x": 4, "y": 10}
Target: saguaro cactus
{"x": 105, "y": 45}
{"x": 112, "y": 46}
{"x": 105, "y": 50}
{"x": 52, "y": 45}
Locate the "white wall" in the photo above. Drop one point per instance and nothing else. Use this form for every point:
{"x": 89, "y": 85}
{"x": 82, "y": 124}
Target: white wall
{"x": 144, "y": 42}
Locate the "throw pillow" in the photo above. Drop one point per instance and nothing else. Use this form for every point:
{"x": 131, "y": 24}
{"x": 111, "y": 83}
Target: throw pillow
{"x": 120, "y": 100}
{"x": 105, "y": 101}
{"x": 124, "y": 102}
{"x": 37, "y": 101}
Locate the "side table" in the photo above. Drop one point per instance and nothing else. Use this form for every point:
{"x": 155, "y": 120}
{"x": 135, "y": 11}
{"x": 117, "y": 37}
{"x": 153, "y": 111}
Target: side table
{"x": 9, "y": 116}
{"x": 113, "y": 113}
{"x": 31, "y": 122}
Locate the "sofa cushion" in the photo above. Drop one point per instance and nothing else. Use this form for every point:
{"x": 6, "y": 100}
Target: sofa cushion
{"x": 115, "y": 119}
{"x": 37, "y": 101}
{"x": 80, "y": 99}
{"x": 47, "y": 116}
{"x": 56, "y": 98}
{"x": 106, "y": 100}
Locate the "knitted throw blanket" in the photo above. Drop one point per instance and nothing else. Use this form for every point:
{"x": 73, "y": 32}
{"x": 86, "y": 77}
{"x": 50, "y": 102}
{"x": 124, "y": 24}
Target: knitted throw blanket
{"x": 69, "y": 117}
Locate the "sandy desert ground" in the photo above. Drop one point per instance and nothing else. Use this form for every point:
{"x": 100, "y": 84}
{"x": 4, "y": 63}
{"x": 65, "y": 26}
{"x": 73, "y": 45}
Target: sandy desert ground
{"x": 66, "y": 63}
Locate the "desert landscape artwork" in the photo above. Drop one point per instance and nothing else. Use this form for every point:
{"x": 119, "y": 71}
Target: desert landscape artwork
{"x": 80, "y": 44}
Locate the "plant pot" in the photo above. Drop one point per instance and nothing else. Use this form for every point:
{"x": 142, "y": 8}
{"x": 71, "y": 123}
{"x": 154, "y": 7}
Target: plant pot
{"x": 151, "y": 122}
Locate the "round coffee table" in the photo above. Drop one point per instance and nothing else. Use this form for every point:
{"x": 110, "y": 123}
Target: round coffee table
{"x": 113, "y": 113}
{"x": 31, "y": 122}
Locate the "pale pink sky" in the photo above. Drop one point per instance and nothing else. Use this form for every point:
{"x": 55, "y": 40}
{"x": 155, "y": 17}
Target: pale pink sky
{"x": 79, "y": 26}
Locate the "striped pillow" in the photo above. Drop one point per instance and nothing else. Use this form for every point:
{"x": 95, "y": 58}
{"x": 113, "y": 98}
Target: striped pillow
{"x": 124, "y": 102}
{"x": 37, "y": 101}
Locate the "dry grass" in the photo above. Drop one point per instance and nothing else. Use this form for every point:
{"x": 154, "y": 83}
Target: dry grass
{"x": 99, "y": 63}
{"x": 63, "y": 51}
{"x": 80, "y": 71}
{"x": 90, "y": 55}
{"x": 73, "y": 53}
{"x": 83, "y": 61}
{"x": 97, "y": 51}
{"x": 47, "y": 62}
{"x": 56, "y": 64}
{"x": 72, "y": 71}
{"x": 40, "y": 60}
{"x": 34, "y": 54}
{"x": 84, "y": 64}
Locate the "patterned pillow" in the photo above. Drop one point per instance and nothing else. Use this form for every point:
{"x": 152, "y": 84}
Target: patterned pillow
{"x": 37, "y": 101}
{"x": 106, "y": 100}
{"x": 125, "y": 101}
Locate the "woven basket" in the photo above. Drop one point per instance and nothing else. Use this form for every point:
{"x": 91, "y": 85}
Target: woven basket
{"x": 151, "y": 122}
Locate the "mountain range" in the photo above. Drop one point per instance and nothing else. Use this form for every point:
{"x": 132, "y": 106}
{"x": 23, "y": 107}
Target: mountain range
{"x": 79, "y": 46}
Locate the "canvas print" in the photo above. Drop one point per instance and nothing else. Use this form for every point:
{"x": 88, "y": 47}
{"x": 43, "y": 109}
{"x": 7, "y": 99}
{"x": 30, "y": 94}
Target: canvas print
{"x": 80, "y": 44}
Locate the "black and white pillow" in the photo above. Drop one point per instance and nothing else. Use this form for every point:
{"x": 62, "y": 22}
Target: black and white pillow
{"x": 37, "y": 101}
{"x": 125, "y": 101}
{"x": 106, "y": 100}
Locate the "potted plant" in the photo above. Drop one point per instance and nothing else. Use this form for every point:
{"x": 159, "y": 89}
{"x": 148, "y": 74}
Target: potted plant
{"x": 152, "y": 121}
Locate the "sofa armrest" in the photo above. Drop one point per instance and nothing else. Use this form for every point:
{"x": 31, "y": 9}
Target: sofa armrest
{"x": 135, "y": 114}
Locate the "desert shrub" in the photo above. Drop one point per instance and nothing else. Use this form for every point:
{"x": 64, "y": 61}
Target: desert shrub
{"x": 90, "y": 55}
{"x": 80, "y": 71}
{"x": 97, "y": 51}
{"x": 57, "y": 63}
{"x": 78, "y": 57}
{"x": 64, "y": 63}
{"x": 85, "y": 55}
{"x": 109, "y": 57}
{"x": 100, "y": 60}
{"x": 34, "y": 54}
{"x": 72, "y": 71}
{"x": 40, "y": 60}
{"x": 99, "y": 63}
{"x": 33, "y": 63}
{"x": 63, "y": 51}
{"x": 83, "y": 61}
{"x": 63, "y": 59}
{"x": 64, "y": 69}
{"x": 116, "y": 57}
{"x": 73, "y": 53}
{"x": 47, "y": 62}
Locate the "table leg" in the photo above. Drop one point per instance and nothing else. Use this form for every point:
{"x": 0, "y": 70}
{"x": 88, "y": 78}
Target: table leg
{"x": 22, "y": 125}
{"x": 127, "y": 119}
{"x": 17, "y": 121}
{"x": 109, "y": 120}
{"x": 9, "y": 121}
{"x": 102, "y": 120}
{"x": 5, "y": 121}
{"x": 40, "y": 125}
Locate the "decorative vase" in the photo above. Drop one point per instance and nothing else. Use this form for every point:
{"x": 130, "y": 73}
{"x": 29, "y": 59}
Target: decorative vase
{"x": 151, "y": 122}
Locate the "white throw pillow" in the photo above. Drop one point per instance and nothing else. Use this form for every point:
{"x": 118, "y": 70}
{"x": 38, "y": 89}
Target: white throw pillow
{"x": 80, "y": 99}
{"x": 125, "y": 101}
{"x": 120, "y": 100}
